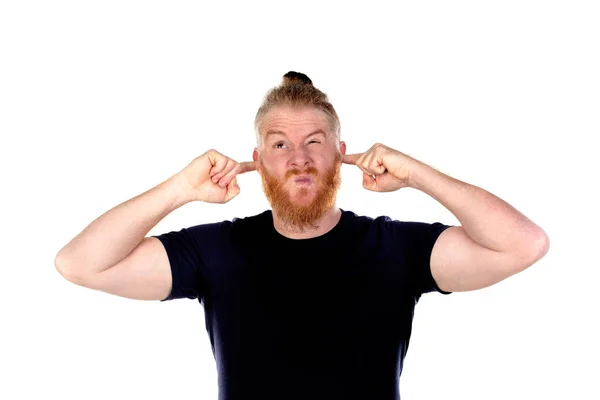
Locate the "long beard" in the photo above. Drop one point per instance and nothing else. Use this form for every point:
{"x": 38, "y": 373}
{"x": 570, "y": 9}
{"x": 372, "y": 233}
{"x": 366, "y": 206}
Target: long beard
{"x": 302, "y": 216}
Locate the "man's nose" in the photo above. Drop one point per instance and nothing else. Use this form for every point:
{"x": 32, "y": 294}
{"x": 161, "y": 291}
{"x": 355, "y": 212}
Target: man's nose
{"x": 300, "y": 158}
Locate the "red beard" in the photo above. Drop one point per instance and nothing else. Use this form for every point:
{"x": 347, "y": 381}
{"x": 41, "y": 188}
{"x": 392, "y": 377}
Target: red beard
{"x": 302, "y": 216}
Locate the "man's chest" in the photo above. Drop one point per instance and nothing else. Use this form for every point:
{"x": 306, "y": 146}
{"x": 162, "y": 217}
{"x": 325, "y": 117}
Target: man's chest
{"x": 323, "y": 299}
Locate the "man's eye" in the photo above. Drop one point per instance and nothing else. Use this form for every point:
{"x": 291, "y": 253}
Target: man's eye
{"x": 278, "y": 144}
{"x": 314, "y": 141}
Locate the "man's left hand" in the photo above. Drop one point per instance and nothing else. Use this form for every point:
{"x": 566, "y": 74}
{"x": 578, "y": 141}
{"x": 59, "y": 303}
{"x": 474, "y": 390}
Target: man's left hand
{"x": 384, "y": 169}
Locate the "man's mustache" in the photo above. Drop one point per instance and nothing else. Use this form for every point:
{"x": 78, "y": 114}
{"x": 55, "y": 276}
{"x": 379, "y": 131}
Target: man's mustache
{"x": 307, "y": 171}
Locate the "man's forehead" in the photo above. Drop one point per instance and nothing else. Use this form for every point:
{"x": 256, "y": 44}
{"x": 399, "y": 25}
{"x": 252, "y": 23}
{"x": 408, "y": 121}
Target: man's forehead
{"x": 295, "y": 114}
{"x": 284, "y": 120}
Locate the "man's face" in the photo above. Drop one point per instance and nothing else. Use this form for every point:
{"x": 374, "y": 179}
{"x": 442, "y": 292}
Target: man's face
{"x": 299, "y": 164}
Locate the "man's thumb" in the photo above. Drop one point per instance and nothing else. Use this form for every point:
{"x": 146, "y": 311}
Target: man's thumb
{"x": 233, "y": 189}
{"x": 369, "y": 182}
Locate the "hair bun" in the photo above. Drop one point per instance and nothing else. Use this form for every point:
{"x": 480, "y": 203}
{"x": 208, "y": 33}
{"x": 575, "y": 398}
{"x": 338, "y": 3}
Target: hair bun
{"x": 295, "y": 78}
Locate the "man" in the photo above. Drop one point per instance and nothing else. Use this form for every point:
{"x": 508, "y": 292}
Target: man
{"x": 304, "y": 301}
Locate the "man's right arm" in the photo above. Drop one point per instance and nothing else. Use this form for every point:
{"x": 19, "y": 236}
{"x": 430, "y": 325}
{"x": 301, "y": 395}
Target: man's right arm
{"x": 112, "y": 253}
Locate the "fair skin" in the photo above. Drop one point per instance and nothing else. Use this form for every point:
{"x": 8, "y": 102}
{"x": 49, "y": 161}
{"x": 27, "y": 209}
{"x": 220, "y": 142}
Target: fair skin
{"x": 289, "y": 142}
{"x": 493, "y": 242}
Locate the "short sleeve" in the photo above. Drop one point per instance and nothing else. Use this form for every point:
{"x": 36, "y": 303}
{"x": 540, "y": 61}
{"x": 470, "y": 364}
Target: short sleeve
{"x": 188, "y": 251}
{"x": 423, "y": 237}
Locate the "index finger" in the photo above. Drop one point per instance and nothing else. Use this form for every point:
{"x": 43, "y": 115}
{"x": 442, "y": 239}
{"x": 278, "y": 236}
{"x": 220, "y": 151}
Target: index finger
{"x": 351, "y": 158}
{"x": 247, "y": 166}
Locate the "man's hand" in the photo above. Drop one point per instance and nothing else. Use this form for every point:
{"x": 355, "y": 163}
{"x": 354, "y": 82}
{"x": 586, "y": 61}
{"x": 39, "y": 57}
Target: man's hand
{"x": 211, "y": 177}
{"x": 384, "y": 169}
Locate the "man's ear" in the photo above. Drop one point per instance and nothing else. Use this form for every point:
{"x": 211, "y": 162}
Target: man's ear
{"x": 343, "y": 148}
{"x": 255, "y": 159}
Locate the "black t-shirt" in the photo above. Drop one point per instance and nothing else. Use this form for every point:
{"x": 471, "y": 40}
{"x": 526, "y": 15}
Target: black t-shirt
{"x": 328, "y": 317}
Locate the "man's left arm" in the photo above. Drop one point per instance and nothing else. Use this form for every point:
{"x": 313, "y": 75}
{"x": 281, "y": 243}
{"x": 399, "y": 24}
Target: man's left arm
{"x": 495, "y": 240}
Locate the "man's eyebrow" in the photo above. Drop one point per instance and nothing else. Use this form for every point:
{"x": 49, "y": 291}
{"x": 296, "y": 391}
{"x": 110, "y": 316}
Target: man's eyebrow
{"x": 276, "y": 132}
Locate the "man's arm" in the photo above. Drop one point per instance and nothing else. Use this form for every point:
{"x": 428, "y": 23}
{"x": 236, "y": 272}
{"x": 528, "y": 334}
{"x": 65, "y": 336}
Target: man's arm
{"x": 113, "y": 235}
{"x": 112, "y": 253}
{"x": 494, "y": 242}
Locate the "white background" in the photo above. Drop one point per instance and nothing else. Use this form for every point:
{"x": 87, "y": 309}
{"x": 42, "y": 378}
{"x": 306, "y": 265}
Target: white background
{"x": 101, "y": 101}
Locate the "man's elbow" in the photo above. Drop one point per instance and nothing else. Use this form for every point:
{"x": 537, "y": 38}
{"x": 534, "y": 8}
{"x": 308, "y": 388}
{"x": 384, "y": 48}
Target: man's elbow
{"x": 64, "y": 269}
{"x": 538, "y": 248}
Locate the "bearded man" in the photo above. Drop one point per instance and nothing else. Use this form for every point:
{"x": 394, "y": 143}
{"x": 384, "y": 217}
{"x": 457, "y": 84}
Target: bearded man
{"x": 306, "y": 300}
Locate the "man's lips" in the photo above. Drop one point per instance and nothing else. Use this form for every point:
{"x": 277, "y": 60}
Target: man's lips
{"x": 303, "y": 179}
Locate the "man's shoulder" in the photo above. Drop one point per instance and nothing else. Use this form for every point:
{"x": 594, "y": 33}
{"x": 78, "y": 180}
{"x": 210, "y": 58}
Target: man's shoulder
{"x": 381, "y": 223}
{"x": 253, "y": 223}
{"x": 261, "y": 218}
{"x": 228, "y": 230}
{"x": 379, "y": 220}
{"x": 359, "y": 219}
{"x": 230, "y": 224}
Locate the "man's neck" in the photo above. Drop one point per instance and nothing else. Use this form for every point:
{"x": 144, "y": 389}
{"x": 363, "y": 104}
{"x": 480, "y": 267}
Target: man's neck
{"x": 324, "y": 225}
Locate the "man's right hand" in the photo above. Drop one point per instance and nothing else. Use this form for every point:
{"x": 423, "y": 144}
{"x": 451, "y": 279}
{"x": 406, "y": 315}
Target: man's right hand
{"x": 211, "y": 177}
